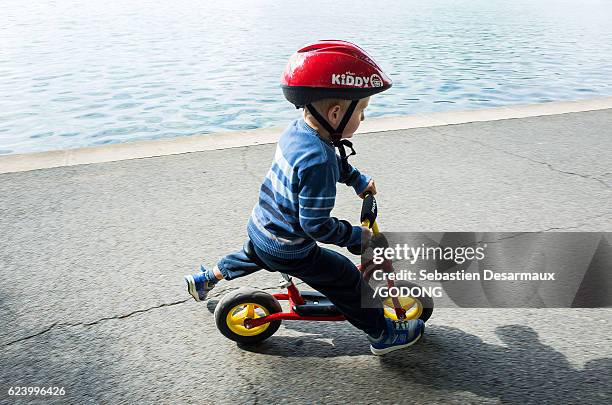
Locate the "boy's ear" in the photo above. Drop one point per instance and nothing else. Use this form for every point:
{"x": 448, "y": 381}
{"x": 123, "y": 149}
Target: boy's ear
{"x": 333, "y": 114}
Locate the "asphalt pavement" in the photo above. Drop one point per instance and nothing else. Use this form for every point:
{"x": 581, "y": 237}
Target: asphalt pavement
{"x": 92, "y": 258}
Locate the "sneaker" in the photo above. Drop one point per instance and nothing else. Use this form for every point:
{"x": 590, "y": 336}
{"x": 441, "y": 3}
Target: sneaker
{"x": 199, "y": 286}
{"x": 397, "y": 335}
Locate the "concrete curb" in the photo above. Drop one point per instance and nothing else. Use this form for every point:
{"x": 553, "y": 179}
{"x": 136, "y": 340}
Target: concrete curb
{"x": 224, "y": 140}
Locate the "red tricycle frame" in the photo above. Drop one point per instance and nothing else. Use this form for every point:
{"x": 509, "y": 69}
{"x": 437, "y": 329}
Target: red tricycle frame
{"x": 295, "y": 298}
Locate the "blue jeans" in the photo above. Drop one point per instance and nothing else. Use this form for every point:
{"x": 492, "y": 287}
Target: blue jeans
{"x": 325, "y": 270}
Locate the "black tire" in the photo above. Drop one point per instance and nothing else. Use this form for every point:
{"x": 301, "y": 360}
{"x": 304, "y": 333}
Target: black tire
{"x": 242, "y": 296}
{"x": 427, "y": 303}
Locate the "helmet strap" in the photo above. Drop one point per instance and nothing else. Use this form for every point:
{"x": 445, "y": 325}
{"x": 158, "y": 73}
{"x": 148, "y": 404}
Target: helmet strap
{"x": 336, "y": 134}
{"x": 343, "y": 157}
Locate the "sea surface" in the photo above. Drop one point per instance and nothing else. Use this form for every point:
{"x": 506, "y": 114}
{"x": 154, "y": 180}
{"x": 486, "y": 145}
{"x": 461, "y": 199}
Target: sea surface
{"x": 77, "y": 73}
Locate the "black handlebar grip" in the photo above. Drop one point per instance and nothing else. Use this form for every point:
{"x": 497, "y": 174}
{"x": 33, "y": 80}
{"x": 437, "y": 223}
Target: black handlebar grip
{"x": 369, "y": 209}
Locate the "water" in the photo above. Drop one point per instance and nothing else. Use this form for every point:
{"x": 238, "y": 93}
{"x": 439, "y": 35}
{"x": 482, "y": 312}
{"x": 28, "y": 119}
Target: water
{"x": 79, "y": 73}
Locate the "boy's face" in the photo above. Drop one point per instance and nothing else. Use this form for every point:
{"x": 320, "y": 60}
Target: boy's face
{"x": 356, "y": 118}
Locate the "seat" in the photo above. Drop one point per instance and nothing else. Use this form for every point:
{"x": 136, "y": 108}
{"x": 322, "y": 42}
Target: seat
{"x": 316, "y": 304}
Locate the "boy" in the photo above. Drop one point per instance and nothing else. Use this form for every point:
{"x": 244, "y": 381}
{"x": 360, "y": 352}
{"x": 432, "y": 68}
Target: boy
{"x": 333, "y": 82}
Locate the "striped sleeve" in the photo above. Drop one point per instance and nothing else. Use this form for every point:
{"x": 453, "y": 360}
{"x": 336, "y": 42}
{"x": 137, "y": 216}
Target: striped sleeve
{"x": 317, "y": 194}
{"x": 352, "y": 177}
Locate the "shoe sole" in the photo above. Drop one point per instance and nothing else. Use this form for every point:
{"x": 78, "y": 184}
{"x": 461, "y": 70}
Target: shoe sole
{"x": 191, "y": 288}
{"x": 380, "y": 352}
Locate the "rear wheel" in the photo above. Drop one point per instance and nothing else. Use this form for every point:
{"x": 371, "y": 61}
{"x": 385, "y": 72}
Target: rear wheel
{"x": 242, "y": 304}
{"x": 415, "y": 307}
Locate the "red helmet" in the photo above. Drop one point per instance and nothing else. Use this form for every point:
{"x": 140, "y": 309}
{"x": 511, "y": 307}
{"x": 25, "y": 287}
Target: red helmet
{"x": 331, "y": 69}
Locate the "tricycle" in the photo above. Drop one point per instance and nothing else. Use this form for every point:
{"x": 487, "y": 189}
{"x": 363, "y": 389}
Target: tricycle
{"x": 249, "y": 315}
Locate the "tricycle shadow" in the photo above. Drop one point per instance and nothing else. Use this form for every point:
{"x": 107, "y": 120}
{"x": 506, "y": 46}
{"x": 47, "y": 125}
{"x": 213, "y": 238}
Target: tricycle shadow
{"x": 323, "y": 339}
{"x": 522, "y": 370}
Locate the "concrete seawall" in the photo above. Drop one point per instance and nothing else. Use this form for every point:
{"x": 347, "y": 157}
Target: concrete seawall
{"x": 198, "y": 143}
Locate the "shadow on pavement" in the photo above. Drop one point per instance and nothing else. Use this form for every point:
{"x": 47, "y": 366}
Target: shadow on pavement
{"x": 523, "y": 371}
{"x": 316, "y": 339}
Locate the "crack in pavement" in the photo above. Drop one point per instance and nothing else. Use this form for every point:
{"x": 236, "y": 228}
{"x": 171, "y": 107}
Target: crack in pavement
{"x": 550, "y": 166}
{"x": 562, "y": 228}
{"x": 70, "y": 324}
{"x": 579, "y": 225}
{"x": 518, "y": 234}
{"x": 57, "y": 324}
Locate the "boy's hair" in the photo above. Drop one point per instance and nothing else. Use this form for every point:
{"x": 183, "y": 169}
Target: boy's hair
{"x": 324, "y": 105}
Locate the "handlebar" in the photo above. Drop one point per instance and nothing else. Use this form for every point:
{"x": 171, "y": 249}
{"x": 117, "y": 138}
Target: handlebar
{"x": 369, "y": 212}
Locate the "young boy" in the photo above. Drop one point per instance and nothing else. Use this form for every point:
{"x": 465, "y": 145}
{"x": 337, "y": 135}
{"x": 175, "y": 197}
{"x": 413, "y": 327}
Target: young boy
{"x": 333, "y": 82}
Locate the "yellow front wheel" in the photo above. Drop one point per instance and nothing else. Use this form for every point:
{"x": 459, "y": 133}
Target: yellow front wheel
{"x": 415, "y": 307}
{"x": 246, "y": 303}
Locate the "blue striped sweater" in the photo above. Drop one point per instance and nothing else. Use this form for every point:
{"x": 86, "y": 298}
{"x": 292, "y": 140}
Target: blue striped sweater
{"x": 298, "y": 194}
